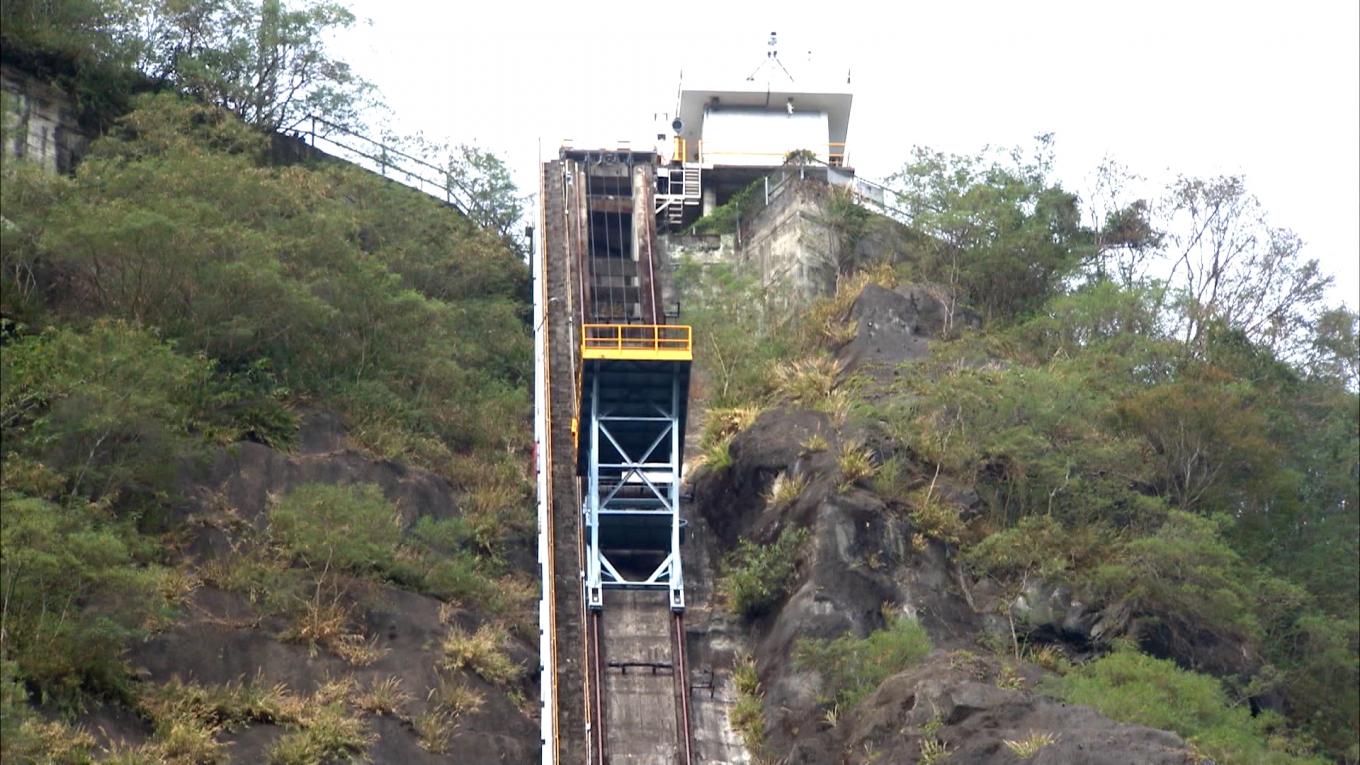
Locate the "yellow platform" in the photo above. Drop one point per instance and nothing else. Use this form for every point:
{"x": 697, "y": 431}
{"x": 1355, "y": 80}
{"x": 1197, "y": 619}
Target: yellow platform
{"x": 637, "y": 342}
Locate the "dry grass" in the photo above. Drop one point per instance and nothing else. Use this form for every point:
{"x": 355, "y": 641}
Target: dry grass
{"x": 518, "y": 596}
{"x": 356, "y": 650}
{"x": 786, "y": 489}
{"x": 384, "y": 697}
{"x": 841, "y": 333}
{"x": 56, "y": 741}
{"x": 1030, "y": 745}
{"x": 328, "y": 732}
{"x": 1009, "y": 678}
{"x": 808, "y": 381}
{"x": 189, "y": 741}
{"x": 714, "y": 455}
{"x": 327, "y": 624}
{"x": 481, "y": 652}
{"x": 933, "y": 751}
{"x": 1049, "y": 657}
{"x": 455, "y": 697}
{"x": 176, "y": 585}
{"x": 826, "y": 317}
{"x": 839, "y": 404}
{"x": 724, "y": 422}
{"x": 494, "y": 507}
{"x": 721, "y": 425}
{"x": 189, "y": 718}
{"x": 434, "y": 730}
{"x": 856, "y": 464}
{"x": 815, "y": 443}
{"x": 336, "y": 690}
{"x": 318, "y": 624}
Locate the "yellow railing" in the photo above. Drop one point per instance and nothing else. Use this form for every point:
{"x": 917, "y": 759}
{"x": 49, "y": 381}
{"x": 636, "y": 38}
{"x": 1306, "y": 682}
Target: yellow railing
{"x": 636, "y": 340}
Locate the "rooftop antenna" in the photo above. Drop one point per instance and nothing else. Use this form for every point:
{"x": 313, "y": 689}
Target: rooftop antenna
{"x": 771, "y": 59}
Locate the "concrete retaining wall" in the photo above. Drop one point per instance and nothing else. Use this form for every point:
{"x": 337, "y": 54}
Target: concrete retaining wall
{"x": 40, "y": 122}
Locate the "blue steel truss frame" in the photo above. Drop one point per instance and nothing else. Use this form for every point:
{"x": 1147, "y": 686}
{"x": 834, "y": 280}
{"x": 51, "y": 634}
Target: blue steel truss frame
{"x": 637, "y": 490}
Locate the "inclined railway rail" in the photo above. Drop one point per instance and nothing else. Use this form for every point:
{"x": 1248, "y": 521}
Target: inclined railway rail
{"x": 610, "y": 409}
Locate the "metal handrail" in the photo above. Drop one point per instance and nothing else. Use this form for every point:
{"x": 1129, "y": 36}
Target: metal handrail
{"x": 653, "y": 337}
{"x": 381, "y": 158}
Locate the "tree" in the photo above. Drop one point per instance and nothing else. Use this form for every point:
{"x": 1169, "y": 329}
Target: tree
{"x": 265, "y": 61}
{"x": 1207, "y": 436}
{"x": 1231, "y": 265}
{"x": 492, "y": 198}
{"x": 1334, "y": 350}
{"x": 1005, "y": 238}
{"x": 1127, "y": 239}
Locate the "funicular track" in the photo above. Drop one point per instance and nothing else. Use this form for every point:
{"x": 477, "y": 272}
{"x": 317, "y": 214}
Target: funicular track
{"x": 638, "y": 657}
{"x": 616, "y": 688}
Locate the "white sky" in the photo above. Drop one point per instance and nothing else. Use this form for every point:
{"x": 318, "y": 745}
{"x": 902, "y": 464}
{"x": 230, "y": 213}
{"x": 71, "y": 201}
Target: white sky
{"x": 1268, "y": 90}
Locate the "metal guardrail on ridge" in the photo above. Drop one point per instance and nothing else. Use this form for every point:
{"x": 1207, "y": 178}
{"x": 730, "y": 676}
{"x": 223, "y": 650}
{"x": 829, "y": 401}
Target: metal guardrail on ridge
{"x": 864, "y": 192}
{"x": 384, "y": 160}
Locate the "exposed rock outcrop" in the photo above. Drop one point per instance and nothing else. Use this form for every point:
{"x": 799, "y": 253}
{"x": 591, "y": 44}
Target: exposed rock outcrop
{"x": 226, "y": 637}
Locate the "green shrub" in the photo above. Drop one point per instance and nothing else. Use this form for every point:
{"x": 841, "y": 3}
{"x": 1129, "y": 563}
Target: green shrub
{"x": 1040, "y": 546}
{"x": 1186, "y": 575}
{"x": 323, "y": 283}
{"x": 110, "y": 408}
{"x": 462, "y": 579}
{"x": 26, "y": 737}
{"x": 851, "y": 667}
{"x": 739, "y": 336}
{"x": 756, "y": 577}
{"x": 740, "y": 207}
{"x": 74, "y": 594}
{"x": 353, "y": 528}
{"x": 1131, "y": 687}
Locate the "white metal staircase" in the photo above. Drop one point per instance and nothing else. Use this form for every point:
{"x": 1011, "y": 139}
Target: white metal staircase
{"x": 684, "y": 188}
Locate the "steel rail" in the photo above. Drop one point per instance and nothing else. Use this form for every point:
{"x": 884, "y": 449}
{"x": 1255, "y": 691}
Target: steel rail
{"x": 681, "y": 671}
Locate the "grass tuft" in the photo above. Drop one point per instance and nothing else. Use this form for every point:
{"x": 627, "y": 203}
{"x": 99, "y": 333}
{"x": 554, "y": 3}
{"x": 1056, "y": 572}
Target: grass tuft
{"x": 434, "y": 729}
{"x": 481, "y": 652}
{"x": 1030, "y": 745}
{"x": 747, "y": 715}
{"x": 329, "y": 732}
{"x": 786, "y": 489}
{"x": 807, "y": 382}
{"x": 856, "y": 464}
{"x": 455, "y": 697}
{"x": 384, "y": 697}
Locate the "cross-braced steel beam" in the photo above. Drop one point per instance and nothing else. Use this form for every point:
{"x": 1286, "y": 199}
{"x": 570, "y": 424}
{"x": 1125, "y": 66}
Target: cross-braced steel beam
{"x": 632, "y": 503}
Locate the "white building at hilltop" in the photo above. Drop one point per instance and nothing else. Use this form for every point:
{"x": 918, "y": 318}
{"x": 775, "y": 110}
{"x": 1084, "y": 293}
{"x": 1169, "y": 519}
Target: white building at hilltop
{"x": 758, "y": 121}
{"x": 728, "y": 131}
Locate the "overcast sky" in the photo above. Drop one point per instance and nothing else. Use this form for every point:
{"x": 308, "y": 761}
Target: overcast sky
{"x": 1267, "y": 90}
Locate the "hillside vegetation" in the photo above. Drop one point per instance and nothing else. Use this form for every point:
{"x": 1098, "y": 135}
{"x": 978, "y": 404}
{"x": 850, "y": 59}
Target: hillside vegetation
{"x": 265, "y": 426}
{"x": 179, "y": 301}
{"x": 1174, "y": 446}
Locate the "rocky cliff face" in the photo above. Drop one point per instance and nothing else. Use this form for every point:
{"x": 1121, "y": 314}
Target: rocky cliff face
{"x": 864, "y": 564}
{"x": 228, "y": 635}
